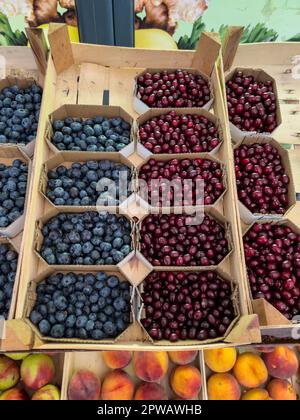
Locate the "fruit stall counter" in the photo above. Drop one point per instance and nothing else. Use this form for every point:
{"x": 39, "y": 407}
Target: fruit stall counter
{"x": 245, "y": 373}
{"x": 80, "y": 77}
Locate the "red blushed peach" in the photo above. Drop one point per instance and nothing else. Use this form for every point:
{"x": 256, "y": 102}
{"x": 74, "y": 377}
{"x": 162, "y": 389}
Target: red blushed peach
{"x": 220, "y": 360}
{"x": 250, "y": 370}
{"x": 282, "y": 363}
{"x": 150, "y": 366}
{"x": 256, "y": 394}
{"x": 9, "y": 373}
{"x": 281, "y": 389}
{"x": 47, "y": 393}
{"x": 14, "y": 394}
{"x": 116, "y": 359}
{"x": 117, "y": 385}
{"x": 223, "y": 386}
{"x": 186, "y": 381}
{"x": 84, "y": 386}
{"x": 37, "y": 370}
{"x": 183, "y": 357}
{"x": 150, "y": 391}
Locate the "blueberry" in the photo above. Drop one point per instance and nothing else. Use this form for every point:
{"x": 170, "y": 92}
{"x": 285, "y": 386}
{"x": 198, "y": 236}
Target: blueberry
{"x": 98, "y": 335}
{"x": 69, "y": 333}
{"x": 109, "y": 328}
{"x": 57, "y": 331}
{"x": 105, "y": 292}
{"x": 61, "y": 303}
{"x": 35, "y": 317}
{"x": 44, "y": 327}
{"x": 82, "y": 334}
{"x": 121, "y": 326}
{"x": 119, "y": 304}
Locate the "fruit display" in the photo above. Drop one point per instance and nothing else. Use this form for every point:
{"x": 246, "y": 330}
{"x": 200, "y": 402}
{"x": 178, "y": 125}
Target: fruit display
{"x": 169, "y": 240}
{"x": 26, "y": 377}
{"x": 262, "y": 180}
{"x": 89, "y": 238}
{"x": 98, "y": 134}
{"x": 147, "y": 375}
{"x": 249, "y": 374}
{"x": 179, "y": 133}
{"x": 82, "y": 306}
{"x": 184, "y": 174}
{"x": 272, "y": 253}
{"x": 86, "y": 184}
{"x": 8, "y": 268}
{"x": 173, "y": 89}
{"x": 187, "y": 306}
{"x": 19, "y": 113}
{"x": 252, "y": 103}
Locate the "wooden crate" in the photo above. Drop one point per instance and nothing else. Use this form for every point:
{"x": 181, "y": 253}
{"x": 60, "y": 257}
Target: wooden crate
{"x": 79, "y": 73}
{"x": 280, "y": 61}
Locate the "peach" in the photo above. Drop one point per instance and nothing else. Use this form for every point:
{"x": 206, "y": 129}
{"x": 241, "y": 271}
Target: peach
{"x": 281, "y": 389}
{"x": 14, "y": 394}
{"x": 186, "y": 381}
{"x": 223, "y": 386}
{"x": 220, "y": 360}
{"x": 150, "y": 366}
{"x": 116, "y": 359}
{"x": 183, "y": 357}
{"x": 117, "y": 385}
{"x": 9, "y": 373}
{"x": 37, "y": 370}
{"x": 150, "y": 391}
{"x": 84, "y": 386}
{"x": 17, "y": 356}
{"x": 48, "y": 392}
{"x": 256, "y": 394}
{"x": 250, "y": 370}
{"x": 282, "y": 363}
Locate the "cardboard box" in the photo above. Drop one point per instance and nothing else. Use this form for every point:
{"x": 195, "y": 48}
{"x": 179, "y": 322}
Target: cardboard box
{"x": 260, "y": 76}
{"x": 67, "y": 158}
{"x": 189, "y": 342}
{"x": 85, "y": 112}
{"x": 28, "y": 148}
{"x": 246, "y": 215}
{"x": 140, "y": 107}
{"x": 31, "y": 298}
{"x": 154, "y": 112}
{"x": 8, "y": 154}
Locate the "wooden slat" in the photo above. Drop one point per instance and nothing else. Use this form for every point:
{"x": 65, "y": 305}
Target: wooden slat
{"x": 207, "y": 52}
{"x": 122, "y": 80}
{"x": 39, "y": 47}
{"x": 93, "y": 80}
{"x": 60, "y": 45}
{"x": 67, "y": 87}
{"x": 231, "y": 44}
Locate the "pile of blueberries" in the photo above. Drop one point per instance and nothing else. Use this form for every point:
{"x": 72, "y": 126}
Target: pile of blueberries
{"x": 19, "y": 113}
{"x": 13, "y": 185}
{"x": 84, "y": 184}
{"x": 8, "y": 268}
{"x": 89, "y": 238}
{"x": 97, "y": 134}
{"x": 84, "y": 306}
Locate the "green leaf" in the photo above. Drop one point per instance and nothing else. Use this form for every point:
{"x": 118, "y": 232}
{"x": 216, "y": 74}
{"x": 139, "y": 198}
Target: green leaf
{"x": 190, "y": 43}
{"x": 7, "y": 36}
{"x": 295, "y": 38}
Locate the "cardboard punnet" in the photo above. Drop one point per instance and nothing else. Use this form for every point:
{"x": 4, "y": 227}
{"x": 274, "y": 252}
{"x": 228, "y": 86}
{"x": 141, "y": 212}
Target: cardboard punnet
{"x": 9, "y": 153}
{"x": 180, "y": 209}
{"x": 260, "y": 76}
{"x": 85, "y": 112}
{"x": 94, "y": 362}
{"x": 14, "y": 245}
{"x": 31, "y": 299}
{"x": 234, "y": 298}
{"x": 154, "y": 112}
{"x": 246, "y": 215}
{"x": 213, "y": 214}
{"x": 66, "y": 159}
{"x": 23, "y": 84}
{"x": 39, "y": 238}
{"x": 267, "y": 313}
{"x": 140, "y": 107}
